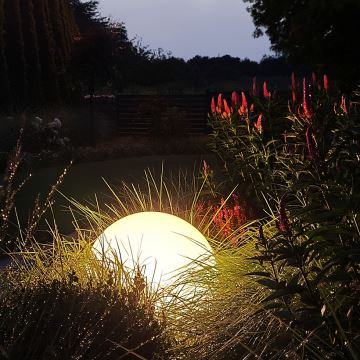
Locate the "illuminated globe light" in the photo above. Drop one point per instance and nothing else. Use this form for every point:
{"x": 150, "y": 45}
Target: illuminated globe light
{"x": 163, "y": 245}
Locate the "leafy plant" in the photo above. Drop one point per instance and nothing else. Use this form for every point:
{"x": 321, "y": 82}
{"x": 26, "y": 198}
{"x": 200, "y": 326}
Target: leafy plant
{"x": 309, "y": 187}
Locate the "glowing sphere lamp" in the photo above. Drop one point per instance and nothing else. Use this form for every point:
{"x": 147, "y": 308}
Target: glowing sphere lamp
{"x": 163, "y": 245}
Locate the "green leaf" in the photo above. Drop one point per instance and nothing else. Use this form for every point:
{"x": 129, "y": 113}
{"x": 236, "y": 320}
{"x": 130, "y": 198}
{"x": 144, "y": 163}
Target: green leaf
{"x": 270, "y": 284}
{"x": 259, "y": 273}
{"x": 289, "y": 290}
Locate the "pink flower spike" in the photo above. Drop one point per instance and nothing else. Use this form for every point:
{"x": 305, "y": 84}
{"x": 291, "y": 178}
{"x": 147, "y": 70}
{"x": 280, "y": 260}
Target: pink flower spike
{"x": 235, "y": 98}
{"x": 213, "y": 106}
{"x": 258, "y": 124}
{"x": 306, "y": 106}
{"x": 254, "y": 86}
{"x": 293, "y": 88}
{"x": 205, "y": 169}
{"x": 243, "y": 101}
{"x": 267, "y": 93}
{"x": 283, "y": 219}
{"x": 252, "y": 107}
{"x": 219, "y": 101}
{"x": 313, "y": 77}
{"x": 226, "y": 108}
{"x": 293, "y": 81}
{"x": 343, "y": 105}
{"x": 326, "y": 83}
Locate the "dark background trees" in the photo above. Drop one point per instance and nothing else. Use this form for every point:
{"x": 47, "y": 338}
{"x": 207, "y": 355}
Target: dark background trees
{"x": 56, "y": 51}
{"x": 35, "y": 46}
{"x": 318, "y": 33}
{"x": 100, "y": 51}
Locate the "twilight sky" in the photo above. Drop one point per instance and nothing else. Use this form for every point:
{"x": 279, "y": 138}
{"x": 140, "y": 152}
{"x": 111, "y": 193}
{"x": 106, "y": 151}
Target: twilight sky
{"x": 190, "y": 27}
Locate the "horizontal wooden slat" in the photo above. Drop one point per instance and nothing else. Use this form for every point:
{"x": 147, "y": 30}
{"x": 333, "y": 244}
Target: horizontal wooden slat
{"x": 131, "y": 114}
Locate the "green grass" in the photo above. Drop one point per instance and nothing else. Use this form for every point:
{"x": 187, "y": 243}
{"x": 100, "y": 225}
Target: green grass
{"x": 198, "y": 326}
{"x": 225, "y": 320}
{"x": 86, "y": 179}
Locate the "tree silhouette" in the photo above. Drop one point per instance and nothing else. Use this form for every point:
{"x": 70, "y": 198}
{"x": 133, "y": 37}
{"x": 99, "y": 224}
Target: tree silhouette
{"x": 4, "y": 80}
{"x": 102, "y": 53}
{"x": 14, "y": 50}
{"x": 319, "y": 33}
{"x": 31, "y": 52}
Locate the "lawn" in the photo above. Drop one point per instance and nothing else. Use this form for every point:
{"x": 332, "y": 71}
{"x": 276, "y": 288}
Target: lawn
{"x": 84, "y": 180}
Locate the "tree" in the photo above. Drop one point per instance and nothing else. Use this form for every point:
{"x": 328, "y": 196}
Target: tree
{"x": 103, "y": 49}
{"x": 47, "y": 49}
{"x": 4, "y": 80}
{"x": 318, "y": 33}
{"x": 14, "y": 50}
{"x": 31, "y": 52}
{"x": 36, "y": 38}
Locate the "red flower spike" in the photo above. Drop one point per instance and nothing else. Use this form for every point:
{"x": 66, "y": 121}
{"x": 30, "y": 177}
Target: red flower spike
{"x": 254, "y": 86}
{"x": 219, "y": 101}
{"x": 343, "y": 105}
{"x": 213, "y": 106}
{"x": 267, "y": 93}
{"x": 293, "y": 88}
{"x": 243, "y": 100}
{"x": 311, "y": 145}
{"x": 235, "y": 98}
{"x": 226, "y": 108}
{"x": 293, "y": 81}
{"x": 258, "y": 124}
{"x": 306, "y": 106}
{"x": 326, "y": 83}
{"x": 252, "y": 108}
{"x": 228, "y": 219}
{"x": 283, "y": 223}
{"x": 313, "y": 77}
{"x": 205, "y": 169}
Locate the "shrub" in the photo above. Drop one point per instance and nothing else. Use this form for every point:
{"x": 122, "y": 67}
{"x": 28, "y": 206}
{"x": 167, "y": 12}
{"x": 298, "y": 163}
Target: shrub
{"x": 66, "y": 320}
{"x": 306, "y": 178}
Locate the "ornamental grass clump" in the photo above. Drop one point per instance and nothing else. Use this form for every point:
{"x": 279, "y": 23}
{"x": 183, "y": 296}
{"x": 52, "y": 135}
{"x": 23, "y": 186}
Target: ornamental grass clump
{"x": 14, "y": 235}
{"x": 207, "y": 325}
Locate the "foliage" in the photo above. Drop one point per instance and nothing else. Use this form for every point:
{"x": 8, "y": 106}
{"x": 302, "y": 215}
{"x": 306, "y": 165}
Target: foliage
{"x": 312, "y": 32}
{"x": 99, "y": 51}
{"x": 35, "y": 50}
{"x": 59, "y": 300}
{"x": 240, "y": 137}
{"x": 154, "y": 69}
{"x": 307, "y": 179}
{"x": 208, "y": 325}
{"x": 63, "y": 319}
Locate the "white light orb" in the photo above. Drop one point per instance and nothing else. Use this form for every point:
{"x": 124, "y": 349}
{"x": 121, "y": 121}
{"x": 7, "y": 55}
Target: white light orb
{"x": 163, "y": 245}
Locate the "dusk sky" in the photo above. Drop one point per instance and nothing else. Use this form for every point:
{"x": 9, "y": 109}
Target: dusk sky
{"x": 190, "y": 27}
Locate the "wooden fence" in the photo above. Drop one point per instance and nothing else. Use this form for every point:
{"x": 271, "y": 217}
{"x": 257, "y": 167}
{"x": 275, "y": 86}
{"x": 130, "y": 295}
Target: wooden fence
{"x": 144, "y": 114}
